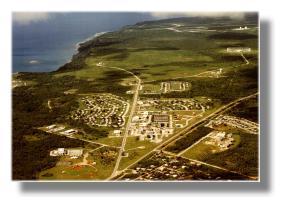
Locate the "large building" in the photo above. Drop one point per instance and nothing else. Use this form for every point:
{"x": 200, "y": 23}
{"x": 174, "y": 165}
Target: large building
{"x": 161, "y": 118}
{"x": 238, "y": 49}
{"x": 72, "y": 152}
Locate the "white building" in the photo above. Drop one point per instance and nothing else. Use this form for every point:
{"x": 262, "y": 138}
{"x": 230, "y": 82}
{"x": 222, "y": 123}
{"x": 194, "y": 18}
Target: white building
{"x": 74, "y": 152}
{"x": 117, "y": 132}
{"x": 238, "y": 49}
{"x": 242, "y": 28}
{"x": 57, "y": 152}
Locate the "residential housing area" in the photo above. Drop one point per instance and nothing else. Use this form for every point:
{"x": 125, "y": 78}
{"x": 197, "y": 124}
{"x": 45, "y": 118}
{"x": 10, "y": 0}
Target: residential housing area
{"x": 102, "y": 110}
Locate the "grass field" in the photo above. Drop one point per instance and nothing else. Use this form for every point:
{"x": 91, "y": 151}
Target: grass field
{"x": 134, "y": 154}
{"x": 171, "y": 55}
{"x": 111, "y": 141}
{"x": 203, "y": 151}
{"x": 188, "y": 140}
{"x": 152, "y": 87}
{"x": 69, "y": 173}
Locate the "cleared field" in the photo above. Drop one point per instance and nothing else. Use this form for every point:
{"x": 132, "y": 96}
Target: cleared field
{"x": 175, "y": 85}
{"x": 152, "y": 88}
{"x": 69, "y": 173}
{"x": 188, "y": 140}
{"x": 105, "y": 159}
{"x": 203, "y": 150}
{"x": 111, "y": 141}
{"x": 132, "y": 147}
{"x": 157, "y": 59}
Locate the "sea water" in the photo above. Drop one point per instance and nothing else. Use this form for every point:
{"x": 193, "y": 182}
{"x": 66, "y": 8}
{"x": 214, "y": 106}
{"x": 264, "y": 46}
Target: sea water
{"x": 42, "y": 46}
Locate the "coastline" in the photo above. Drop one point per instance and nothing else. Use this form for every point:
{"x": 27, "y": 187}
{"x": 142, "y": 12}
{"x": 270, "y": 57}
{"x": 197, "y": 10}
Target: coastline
{"x": 77, "y": 46}
{"x": 98, "y": 34}
{"x": 75, "y": 51}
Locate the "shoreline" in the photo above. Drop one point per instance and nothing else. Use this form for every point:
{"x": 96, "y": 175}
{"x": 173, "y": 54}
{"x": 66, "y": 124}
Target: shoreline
{"x": 75, "y": 51}
{"x": 77, "y": 46}
{"x": 98, "y": 34}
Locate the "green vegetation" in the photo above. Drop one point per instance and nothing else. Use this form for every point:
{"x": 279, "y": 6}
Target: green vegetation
{"x": 111, "y": 141}
{"x": 203, "y": 151}
{"x": 188, "y": 139}
{"x": 191, "y": 171}
{"x": 152, "y": 88}
{"x": 105, "y": 159}
{"x": 100, "y": 162}
{"x": 155, "y": 54}
{"x": 68, "y": 173}
{"x": 133, "y": 149}
{"x": 31, "y": 157}
{"x": 247, "y": 109}
{"x": 243, "y": 158}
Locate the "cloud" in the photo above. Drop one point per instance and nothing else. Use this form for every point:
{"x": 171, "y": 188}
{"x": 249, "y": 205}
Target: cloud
{"x": 25, "y": 18}
{"x": 233, "y": 15}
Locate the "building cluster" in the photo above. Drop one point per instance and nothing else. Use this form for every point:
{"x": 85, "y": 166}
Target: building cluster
{"x": 158, "y": 118}
{"x": 151, "y": 126}
{"x": 241, "y": 28}
{"x": 216, "y": 73}
{"x": 102, "y": 110}
{"x": 234, "y": 122}
{"x": 166, "y": 87}
{"x": 220, "y": 139}
{"x": 71, "y": 152}
{"x": 174, "y": 104}
{"x": 172, "y": 86}
{"x": 60, "y": 129}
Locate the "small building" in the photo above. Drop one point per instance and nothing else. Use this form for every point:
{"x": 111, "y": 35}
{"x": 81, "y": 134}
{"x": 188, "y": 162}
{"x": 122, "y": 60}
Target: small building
{"x": 220, "y": 135}
{"x": 51, "y": 126}
{"x": 135, "y": 118}
{"x": 143, "y": 124}
{"x": 117, "y": 132}
{"x": 70, "y": 131}
{"x": 141, "y": 137}
{"x": 129, "y": 92}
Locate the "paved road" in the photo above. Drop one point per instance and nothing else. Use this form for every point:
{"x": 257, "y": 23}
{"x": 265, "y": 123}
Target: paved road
{"x": 135, "y": 99}
{"x": 218, "y": 167}
{"x": 49, "y": 105}
{"x": 92, "y": 142}
{"x": 246, "y": 61}
{"x": 210, "y": 165}
{"x": 185, "y": 130}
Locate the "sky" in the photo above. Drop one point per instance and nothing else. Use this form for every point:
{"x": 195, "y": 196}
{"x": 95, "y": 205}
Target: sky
{"x": 25, "y": 18}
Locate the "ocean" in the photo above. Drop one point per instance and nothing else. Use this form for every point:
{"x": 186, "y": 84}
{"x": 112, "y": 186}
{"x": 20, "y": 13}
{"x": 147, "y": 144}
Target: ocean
{"x": 44, "y": 45}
